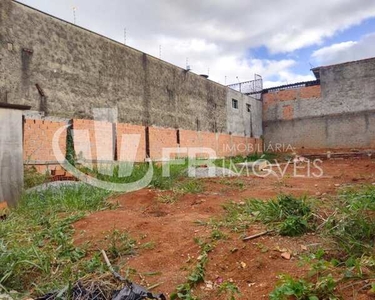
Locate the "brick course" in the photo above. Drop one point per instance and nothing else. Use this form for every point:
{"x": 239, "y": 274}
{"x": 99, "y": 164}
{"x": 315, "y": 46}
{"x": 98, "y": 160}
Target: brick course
{"x": 94, "y": 140}
{"x": 308, "y": 92}
{"x": 126, "y": 143}
{"x": 161, "y": 138}
{"x": 38, "y": 136}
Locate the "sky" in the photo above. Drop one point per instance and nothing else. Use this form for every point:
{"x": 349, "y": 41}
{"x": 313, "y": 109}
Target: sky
{"x": 232, "y": 40}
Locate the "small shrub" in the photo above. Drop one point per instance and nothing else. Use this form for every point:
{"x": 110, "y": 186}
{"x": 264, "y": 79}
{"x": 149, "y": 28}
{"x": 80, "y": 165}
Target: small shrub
{"x": 293, "y": 226}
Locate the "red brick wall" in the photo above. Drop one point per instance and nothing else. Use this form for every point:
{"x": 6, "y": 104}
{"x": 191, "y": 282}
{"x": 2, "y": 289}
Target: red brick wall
{"x": 208, "y": 140}
{"x": 161, "y": 138}
{"x": 38, "y": 136}
{"x": 237, "y": 145}
{"x": 93, "y": 139}
{"x": 224, "y": 145}
{"x": 288, "y": 112}
{"x": 189, "y": 138}
{"x": 309, "y": 92}
{"x": 136, "y": 144}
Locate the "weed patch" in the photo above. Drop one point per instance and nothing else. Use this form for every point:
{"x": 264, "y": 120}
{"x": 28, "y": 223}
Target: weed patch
{"x": 302, "y": 290}
{"x": 350, "y": 261}
{"x": 33, "y": 178}
{"x": 230, "y": 289}
{"x": 36, "y": 246}
{"x": 184, "y": 291}
{"x": 352, "y": 225}
{"x": 190, "y": 186}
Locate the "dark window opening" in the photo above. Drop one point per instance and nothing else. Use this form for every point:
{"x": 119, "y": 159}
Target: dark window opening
{"x": 248, "y": 107}
{"x": 235, "y": 103}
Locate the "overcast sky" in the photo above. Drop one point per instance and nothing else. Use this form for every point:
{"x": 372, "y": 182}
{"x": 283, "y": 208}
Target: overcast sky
{"x": 278, "y": 39}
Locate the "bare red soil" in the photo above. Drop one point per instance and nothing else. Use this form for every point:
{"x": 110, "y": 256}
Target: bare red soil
{"x": 253, "y": 266}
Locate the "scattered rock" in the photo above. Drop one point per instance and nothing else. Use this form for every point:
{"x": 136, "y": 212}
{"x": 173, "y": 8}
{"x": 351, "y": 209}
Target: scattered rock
{"x": 286, "y": 255}
{"x": 209, "y": 285}
{"x": 210, "y": 172}
{"x": 251, "y": 284}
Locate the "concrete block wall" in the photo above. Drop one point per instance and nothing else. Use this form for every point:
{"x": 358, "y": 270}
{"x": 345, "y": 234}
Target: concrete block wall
{"x": 86, "y": 70}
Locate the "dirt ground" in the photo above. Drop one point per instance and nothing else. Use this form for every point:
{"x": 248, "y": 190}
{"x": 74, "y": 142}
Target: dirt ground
{"x": 172, "y": 229}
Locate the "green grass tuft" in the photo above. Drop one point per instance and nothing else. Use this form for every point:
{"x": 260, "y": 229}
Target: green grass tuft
{"x": 36, "y": 245}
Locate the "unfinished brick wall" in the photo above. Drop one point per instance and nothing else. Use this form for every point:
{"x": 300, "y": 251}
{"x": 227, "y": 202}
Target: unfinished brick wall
{"x": 288, "y": 112}
{"x": 160, "y": 138}
{"x": 38, "y": 136}
{"x": 241, "y": 146}
{"x": 308, "y": 92}
{"x": 224, "y": 145}
{"x": 208, "y": 140}
{"x": 189, "y": 138}
{"x": 93, "y": 140}
{"x": 37, "y": 144}
{"x": 98, "y": 141}
{"x": 131, "y": 142}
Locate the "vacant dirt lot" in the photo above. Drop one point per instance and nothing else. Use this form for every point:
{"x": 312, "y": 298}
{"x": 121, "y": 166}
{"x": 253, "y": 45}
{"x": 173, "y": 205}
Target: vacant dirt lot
{"x": 171, "y": 228}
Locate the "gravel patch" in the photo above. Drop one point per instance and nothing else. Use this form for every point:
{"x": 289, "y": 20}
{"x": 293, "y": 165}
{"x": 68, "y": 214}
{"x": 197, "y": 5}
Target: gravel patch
{"x": 210, "y": 172}
{"x": 55, "y": 185}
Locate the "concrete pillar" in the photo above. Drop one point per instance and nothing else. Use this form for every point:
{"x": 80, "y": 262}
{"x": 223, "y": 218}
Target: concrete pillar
{"x": 11, "y": 152}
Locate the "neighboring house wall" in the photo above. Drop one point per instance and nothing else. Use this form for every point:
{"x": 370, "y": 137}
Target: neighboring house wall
{"x": 66, "y": 71}
{"x": 337, "y": 114}
{"x": 241, "y": 121}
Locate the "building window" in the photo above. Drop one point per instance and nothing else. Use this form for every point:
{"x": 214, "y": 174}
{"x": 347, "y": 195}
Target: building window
{"x": 248, "y": 107}
{"x": 235, "y": 103}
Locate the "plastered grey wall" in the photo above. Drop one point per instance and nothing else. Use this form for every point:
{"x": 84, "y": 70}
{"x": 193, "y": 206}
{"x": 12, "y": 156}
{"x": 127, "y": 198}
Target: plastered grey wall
{"x": 354, "y": 130}
{"x": 342, "y": 118}
{"x": 240, "y": 121}
{"x": 78, "y": 70}
{"x": 11, "y": 155}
